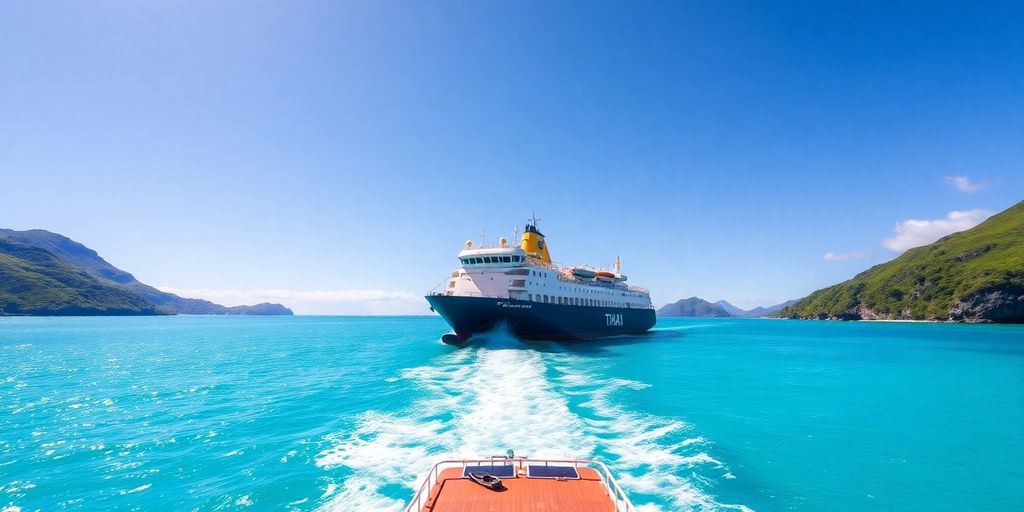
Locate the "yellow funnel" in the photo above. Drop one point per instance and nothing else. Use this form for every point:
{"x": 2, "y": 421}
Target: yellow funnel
{"x": 534, "y": 244}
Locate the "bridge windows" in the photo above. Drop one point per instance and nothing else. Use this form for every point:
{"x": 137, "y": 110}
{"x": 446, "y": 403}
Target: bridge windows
{"x": 478, "y": 260}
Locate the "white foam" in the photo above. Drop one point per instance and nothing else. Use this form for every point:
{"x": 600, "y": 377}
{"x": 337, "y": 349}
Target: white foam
{"x": 360, "y": 493}
{"x": 499, "y": 398}
{"x": 291, "y": 453}
{"x": 17, "y": 486}
{"x": 140, "y": 488}
{"x": 648, "y": 453}
{"x": 329, "y": 490}
{"x": 514, "y": 406}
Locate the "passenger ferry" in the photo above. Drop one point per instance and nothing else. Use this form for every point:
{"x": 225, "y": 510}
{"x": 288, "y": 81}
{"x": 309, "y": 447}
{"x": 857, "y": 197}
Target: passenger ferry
{"x": 519, "y": 285}
{"x": 509, "y": 484}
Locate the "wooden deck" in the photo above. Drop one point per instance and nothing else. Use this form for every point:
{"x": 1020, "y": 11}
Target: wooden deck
{"x": 453, "y": 493}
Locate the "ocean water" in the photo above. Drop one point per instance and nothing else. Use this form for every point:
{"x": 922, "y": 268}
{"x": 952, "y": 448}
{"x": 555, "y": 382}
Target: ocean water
{"x": 334, "y": 413}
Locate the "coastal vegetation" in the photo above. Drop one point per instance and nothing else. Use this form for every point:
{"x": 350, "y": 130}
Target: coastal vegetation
{"x": 976, "y": 275}
{"x": 34, "y": 281}
{"x": 44, "y": 273}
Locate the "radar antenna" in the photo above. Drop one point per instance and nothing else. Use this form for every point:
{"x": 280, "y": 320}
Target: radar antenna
{"x": 533, "y": 219}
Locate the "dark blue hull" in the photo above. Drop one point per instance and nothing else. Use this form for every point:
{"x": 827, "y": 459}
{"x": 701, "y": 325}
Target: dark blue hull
{"x": 538, "y": 321}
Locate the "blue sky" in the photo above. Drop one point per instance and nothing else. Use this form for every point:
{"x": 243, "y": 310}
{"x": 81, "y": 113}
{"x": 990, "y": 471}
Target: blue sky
{"x": 334, "y": 156}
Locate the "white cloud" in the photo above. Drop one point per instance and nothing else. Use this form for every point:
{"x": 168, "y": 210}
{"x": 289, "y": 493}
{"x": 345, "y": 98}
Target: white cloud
{"x": 341, "y": 302}
{"x": 915, "y": 233}
{"x": 843, "y": 256}
{"x": 964, "y": 184}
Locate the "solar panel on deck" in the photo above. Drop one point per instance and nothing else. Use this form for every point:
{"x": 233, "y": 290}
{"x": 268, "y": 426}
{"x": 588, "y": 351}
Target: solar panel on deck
{"x": 552, "y": 472}
{"x": 500, "y": 471}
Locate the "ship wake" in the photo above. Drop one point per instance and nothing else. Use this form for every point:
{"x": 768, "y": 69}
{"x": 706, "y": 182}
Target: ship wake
{"x": 479, "y": 402}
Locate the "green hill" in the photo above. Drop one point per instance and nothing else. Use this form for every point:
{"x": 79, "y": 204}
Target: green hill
{"x": 34, "y": 281}
{"x": 974, "y": 276}
{"x": 44, "y": 273}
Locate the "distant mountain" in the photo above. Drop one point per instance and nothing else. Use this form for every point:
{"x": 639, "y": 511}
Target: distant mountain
{"x": 758, "y": 312}
{"x": 972, "y": 276}
{"x": 47, "y": 273}
{"x": 263, "y": 308}
{"x": 729, "y": 308}
{"x": 770, "y": 310}
{"x": 697, "y": 307}
{"x": 693, "y": 307}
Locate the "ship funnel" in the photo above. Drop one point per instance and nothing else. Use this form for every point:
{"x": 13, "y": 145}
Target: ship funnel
{"x": 533, "y": 242}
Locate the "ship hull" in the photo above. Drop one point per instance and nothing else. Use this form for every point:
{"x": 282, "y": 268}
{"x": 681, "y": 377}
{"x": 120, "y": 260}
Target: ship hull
{"x": 538, "y": 321}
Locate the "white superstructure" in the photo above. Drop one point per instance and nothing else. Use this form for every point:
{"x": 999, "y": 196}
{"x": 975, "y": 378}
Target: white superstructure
{"x": 510, "y": 273}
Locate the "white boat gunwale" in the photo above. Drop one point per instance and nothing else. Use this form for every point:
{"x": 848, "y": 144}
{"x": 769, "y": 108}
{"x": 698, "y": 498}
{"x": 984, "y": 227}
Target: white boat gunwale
{"x": 615, "y": 492}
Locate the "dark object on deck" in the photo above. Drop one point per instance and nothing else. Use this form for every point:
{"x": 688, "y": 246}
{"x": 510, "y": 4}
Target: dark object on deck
{"x": 499, "y": 470}
{"x": 558, "y": 472}
{"x": 486, "y": 479}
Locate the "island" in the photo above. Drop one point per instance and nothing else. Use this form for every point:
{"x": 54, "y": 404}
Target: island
{"x": 44, "y": 273}
{"x": 975, "y": 275}
{"x": 696, "y": 307}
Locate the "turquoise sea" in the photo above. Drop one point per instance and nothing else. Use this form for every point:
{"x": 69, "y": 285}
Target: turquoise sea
{"x": 336, "y": 413}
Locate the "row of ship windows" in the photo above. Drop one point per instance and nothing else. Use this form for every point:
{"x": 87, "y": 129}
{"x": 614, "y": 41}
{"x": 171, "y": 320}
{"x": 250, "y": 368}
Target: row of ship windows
{"x": 577, "y": 301}
{"x": 491, "y": 259}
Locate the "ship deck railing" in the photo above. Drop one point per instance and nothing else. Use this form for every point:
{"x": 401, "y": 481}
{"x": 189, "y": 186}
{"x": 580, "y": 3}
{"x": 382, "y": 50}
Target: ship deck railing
{"x": 614, "y": 286}
{"x": 615, "y": 492}
{"x": 564, "y": 274}
{"x": 470, "y": 293}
